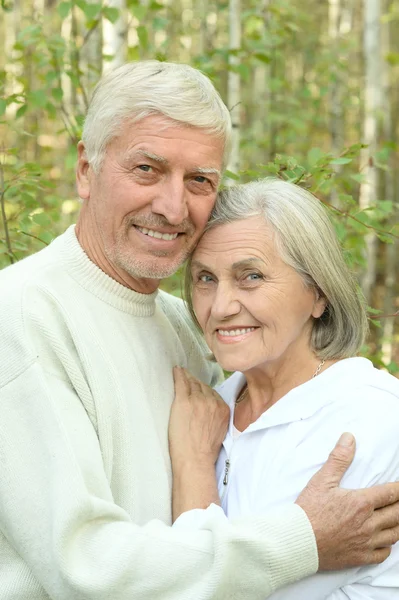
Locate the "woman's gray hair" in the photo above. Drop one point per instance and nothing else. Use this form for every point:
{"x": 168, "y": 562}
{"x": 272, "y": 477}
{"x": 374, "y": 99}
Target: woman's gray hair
{"x": 307, "y": 242}
{"x": 135, "y": 91}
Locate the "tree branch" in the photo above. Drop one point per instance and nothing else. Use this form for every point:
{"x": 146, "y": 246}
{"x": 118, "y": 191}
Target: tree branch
{"x": 10, "y": 253}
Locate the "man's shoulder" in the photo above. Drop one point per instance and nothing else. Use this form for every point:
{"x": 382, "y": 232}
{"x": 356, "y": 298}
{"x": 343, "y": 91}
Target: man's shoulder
{"x": 28, "y": 285}
{"x": 174, "y": 308}
{"x": 33, "y": 272}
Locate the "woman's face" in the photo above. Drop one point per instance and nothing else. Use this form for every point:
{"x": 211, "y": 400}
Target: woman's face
{"x": 253, "y": 308}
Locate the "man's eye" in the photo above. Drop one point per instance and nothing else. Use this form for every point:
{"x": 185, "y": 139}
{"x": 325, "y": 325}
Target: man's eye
{"x": 145, "y": 168}
{"x": 201, "y": 179}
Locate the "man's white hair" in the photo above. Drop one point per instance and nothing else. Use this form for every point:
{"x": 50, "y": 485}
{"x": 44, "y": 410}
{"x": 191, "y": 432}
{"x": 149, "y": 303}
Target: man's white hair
{"x": 137, "y": 90}
{"x": 306, "y": 241}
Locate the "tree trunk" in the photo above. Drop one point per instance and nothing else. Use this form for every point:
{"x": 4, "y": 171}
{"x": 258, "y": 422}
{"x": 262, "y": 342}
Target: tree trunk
{"x": 115, "y": 37}
{"x": 336, "y": 95}
{"x": 368, "y": 188}
{"x": 92, "y": 55}
{"x": 392, "y": 250}
{"x": 234, "y": 82}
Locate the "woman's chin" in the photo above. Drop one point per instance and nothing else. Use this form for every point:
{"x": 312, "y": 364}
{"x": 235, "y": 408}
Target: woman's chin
{"x": 231, "y": 365}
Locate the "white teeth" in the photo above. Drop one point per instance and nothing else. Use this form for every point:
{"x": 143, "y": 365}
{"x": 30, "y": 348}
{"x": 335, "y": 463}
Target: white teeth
{"x": 233, "y": 332}
{"x": 157, "y": 234}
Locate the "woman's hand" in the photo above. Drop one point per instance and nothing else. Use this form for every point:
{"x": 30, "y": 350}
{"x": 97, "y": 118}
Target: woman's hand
{"x": 198, "y": 421}
{"x": 198, "y": 424}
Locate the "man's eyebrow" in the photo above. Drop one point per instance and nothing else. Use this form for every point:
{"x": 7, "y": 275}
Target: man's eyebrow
{"x": 164, "y": 161}
{"x": 207, "y": 171}
{"x": 146, "y": 154}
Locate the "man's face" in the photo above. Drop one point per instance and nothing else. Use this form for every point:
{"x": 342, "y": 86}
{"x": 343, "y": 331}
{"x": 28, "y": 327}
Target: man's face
{"x": 146, "y": 208}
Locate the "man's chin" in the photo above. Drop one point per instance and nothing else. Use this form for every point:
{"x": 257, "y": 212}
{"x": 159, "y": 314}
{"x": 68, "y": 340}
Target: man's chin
{"x": 160, "y": 268}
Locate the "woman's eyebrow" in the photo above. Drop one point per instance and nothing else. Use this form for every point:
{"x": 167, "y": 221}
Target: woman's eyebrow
{"x": 248, "y": 262}
{"x": 199, "y": 265}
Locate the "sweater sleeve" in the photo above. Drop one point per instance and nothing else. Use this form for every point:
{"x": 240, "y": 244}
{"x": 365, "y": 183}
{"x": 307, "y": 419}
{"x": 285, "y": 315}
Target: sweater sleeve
{"x": 58, "y": 513}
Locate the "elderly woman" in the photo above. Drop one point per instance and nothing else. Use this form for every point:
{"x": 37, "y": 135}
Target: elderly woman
{"x": 269, "y": 287}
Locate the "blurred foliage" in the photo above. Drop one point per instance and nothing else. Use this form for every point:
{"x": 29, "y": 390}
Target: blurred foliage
{"x": 47, "y": 75}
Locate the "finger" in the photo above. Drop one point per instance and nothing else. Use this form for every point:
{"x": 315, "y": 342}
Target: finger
{"x": 193, "y": 383}
{"x": 386, "y": 538}
{"x": 383, "y": 495}
{"x": 182, "y": 388}
{"x": 338, "y": 462}
{"x": 387, "y": 516}
{"x": 378, "y": 556}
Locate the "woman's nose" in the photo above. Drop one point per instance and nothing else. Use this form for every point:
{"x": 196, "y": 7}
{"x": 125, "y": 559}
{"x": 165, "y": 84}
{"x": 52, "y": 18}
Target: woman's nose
{"x": 225, "y": 303}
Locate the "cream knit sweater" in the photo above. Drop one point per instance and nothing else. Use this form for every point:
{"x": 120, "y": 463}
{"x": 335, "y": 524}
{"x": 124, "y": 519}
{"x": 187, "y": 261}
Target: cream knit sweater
{"x": 85, "y": 486}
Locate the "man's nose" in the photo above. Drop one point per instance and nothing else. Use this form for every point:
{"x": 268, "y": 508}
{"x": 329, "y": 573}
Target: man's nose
{"x": 225, "y": 303}
{"x": 171, "y": 201}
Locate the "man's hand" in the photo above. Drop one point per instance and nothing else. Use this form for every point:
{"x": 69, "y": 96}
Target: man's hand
{"x": 352, "y": 527}
{"x": 197, "y": 427}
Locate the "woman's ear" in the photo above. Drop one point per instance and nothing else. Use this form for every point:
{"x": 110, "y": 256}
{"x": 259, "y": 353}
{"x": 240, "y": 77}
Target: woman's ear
{"x": 319, "y": 306}
{"x": 83, "y": 171}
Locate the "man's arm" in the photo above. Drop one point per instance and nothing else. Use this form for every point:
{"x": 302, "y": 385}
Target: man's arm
{"x": 351, "y": 527}
{"x": 57, "y": 513}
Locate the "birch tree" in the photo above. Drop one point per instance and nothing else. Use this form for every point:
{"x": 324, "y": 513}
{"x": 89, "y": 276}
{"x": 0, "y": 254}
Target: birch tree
{"x": 392, "y": 250}
{"x": 372, "y": 104}
{"x": 115, "y": 37}
{"x": 234, "y": 81}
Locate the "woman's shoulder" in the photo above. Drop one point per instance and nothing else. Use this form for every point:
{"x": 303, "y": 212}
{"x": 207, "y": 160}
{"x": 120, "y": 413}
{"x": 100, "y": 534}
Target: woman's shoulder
{"x": 355, "y": 381}
{"x": 366, "y": 403}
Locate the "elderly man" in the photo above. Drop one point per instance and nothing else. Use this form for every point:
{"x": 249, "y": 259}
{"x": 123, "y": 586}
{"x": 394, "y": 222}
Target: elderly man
{"x": 86, "y": 356}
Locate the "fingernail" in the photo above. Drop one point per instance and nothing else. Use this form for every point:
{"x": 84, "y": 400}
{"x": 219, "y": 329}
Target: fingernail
{"x": 346, "y": 439}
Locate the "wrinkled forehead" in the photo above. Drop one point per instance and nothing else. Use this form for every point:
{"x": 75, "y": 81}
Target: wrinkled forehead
{"x": 241, "y": 239}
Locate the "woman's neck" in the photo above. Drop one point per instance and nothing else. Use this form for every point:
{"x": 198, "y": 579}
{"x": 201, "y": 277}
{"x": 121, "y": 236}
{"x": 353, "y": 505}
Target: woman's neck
{"x": 268, "y": 383}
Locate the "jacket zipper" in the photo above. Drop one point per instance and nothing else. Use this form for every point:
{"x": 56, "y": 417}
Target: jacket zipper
{"x": 227, "y": 467}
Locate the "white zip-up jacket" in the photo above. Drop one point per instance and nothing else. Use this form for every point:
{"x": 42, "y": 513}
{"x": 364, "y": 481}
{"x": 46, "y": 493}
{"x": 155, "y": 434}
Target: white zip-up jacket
{"x": 272, "y": 460}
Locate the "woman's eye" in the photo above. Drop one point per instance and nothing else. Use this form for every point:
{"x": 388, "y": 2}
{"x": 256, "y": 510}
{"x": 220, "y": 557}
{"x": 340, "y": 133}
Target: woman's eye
{"x": 205, "y": 278}
{"x": 253, "y": 276}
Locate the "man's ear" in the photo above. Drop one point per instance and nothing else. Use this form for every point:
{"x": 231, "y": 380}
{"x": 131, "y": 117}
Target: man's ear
{"x": 83, "y": 171}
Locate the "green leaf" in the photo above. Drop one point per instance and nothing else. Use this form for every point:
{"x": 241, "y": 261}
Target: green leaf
{"x": 143, "y": 36}
{"x": 21, "y": 111}
{"x": 38, "y": 99}
{"x": 139, "y": 11}
{"x": 3, "y": 106}
{"x": 111, "y": 14}
{"x": 41, "y": 219}
{"x": 231, "y": 175}
{"x": 359, "y": 177}
{"x": 57, "y": 94}
{"x": 159, "y": 23}
{"x": 342, "y": 160}
{"x": 90, "y": 10}
{"x": 265, "y": 58}
{"x": 64, "y": 8}
{"x": 392, "y": 58}
{"x": 393, "y": 368}
{"x": 133, "y": 53}
{"x": 314, "y": 155}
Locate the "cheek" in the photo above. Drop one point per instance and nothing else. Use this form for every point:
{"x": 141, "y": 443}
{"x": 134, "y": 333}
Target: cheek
{"x": 201, "y": 305}
{"x": 200, "y": 210}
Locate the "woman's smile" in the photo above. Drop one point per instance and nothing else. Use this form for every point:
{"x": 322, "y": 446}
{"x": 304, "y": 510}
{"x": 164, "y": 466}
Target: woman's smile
{"x": 231, "y": 335}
